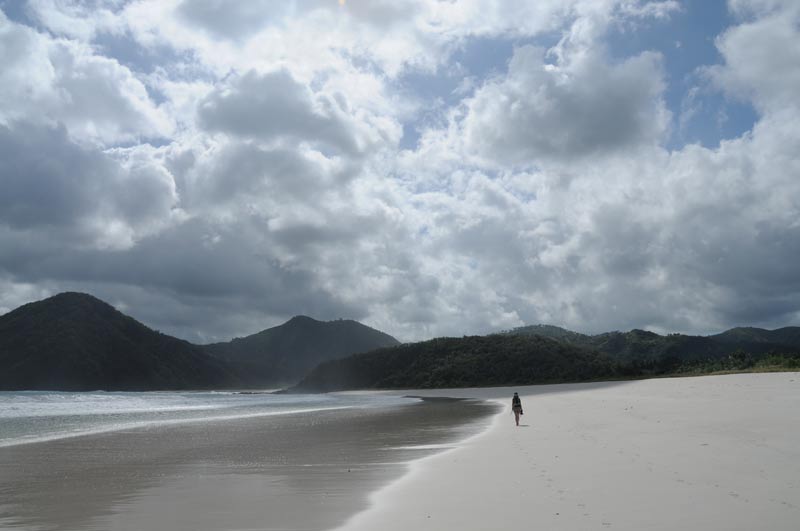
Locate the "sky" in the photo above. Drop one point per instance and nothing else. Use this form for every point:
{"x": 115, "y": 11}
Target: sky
{"x": 427, "y": 167}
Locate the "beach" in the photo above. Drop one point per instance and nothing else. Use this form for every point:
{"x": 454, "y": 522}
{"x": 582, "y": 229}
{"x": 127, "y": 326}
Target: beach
{"x": 715, "y": 452}
{"x": 305, "y": 468}
{"x": 704, "y": 453}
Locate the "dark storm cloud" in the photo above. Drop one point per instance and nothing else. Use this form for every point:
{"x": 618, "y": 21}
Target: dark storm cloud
{"x": 196, "y": 263}
{"x": 49, "y": 182}
{"x": 192, "y": 259}
{"x": 45, "y": 178}
{"x": 275, "y": 106}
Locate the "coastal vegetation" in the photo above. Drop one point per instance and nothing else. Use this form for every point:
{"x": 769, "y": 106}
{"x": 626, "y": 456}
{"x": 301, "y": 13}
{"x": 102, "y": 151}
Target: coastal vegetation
{"x": 284, "y": 354}
{"x": 74, "y": 341}
{"x": 548, "y": 354}
{"x": 462, "y": 362}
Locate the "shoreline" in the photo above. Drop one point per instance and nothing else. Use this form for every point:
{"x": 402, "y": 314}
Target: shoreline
{"x": 308, "y": 471}
{"x": 700, "y": 452}
{"x": 154, "y": 424}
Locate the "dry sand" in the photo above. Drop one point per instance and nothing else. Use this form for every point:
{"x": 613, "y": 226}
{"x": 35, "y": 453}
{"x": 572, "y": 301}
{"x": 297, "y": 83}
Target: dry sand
{"x": 707, "y": 453}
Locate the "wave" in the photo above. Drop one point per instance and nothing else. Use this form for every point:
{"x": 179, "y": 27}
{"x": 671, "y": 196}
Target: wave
{"x": 122, "y": 426}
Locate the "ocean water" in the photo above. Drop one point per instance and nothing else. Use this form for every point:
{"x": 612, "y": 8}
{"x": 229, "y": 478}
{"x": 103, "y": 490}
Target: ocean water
{"x": 36, "y": 416}
{"x": 211, "y": 461}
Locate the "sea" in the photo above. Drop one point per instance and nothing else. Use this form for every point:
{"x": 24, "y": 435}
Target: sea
{"x": 38, "y": 416}
{"x": 212, "y": 460}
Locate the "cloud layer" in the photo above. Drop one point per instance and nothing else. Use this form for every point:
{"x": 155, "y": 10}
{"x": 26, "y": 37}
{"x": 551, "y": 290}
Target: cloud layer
{"x": 214, "y": 169}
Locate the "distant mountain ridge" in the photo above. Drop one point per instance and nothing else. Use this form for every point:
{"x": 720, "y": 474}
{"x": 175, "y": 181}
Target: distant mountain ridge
{"x": 789, "y": 335}
{"x": 284, "y": 354}
{"x": 644, "y": 346}
{"x": 76, "y": 342}
{"x": 551, "y": 331}
{"x": 469, "y": 361}
{"x": 550, "y": 354}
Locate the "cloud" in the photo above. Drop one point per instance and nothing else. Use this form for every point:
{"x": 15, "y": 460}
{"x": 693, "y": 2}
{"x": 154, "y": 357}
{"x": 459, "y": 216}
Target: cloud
{"x": 762, "y": 57}
{"x": 240, "y": 171}
{"x": 61, "y": 81}
{"x": 204, "y": 270}
{"x": 591, "y": 234}
{"x": 254, "y": 172}
{"x": 549, "y": 111}
{"x": 275, "y": 107}
{"x": 85, "y": 196}
{"x": 228, "y": 20}
{"x": 79, "y": 19}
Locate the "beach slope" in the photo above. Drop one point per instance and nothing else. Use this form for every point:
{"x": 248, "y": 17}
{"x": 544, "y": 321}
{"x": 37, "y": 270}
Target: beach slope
{"x": 716, "y": 452}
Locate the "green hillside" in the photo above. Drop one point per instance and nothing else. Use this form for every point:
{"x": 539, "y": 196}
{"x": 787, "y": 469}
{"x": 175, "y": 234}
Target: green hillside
{"x": 73, "y": 341}
{"x": 285, "y": 353}
{"x": 463, "y": 362}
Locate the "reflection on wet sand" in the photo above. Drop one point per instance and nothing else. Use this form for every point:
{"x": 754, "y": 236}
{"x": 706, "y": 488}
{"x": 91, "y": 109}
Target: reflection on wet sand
{"x": 293, "y": 472}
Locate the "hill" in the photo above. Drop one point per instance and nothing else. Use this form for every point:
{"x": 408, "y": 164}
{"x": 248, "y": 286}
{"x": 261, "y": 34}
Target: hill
{"x": 75, "y": 342}
{"x": 501, "y": 359}
{"x": 788, "y": 336}
{"x": 553, "y": 332}
{"x": 549, "y": 354}
{"x": 641, "y": 348}
{"x": 285, "y": 353}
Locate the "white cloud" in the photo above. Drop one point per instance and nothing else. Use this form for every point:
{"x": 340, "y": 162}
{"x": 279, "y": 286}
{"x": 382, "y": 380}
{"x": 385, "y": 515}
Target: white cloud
{"x": 79, "y": 19}
{"x": 543, "y": 195}
{"x": 274, "y": 107}
{"x": 542, "y": 111}
{"x": 228, "y": 20}
{"x": 61, "y": 81}
{"x": 762, "y": 57}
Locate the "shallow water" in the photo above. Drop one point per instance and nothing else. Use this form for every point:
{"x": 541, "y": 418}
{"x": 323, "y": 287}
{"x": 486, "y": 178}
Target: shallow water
{"x": 199, "y": 461}
{"x": 36, "y": 416}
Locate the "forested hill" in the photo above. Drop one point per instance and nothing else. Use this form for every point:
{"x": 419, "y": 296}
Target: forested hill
{"x": 789, "y": 336}
{"x": 549, "y": 354}
{"x": 73, "y": 341}
{"x": 285, "y": 353}
{"x": 644, "y": 347}
{"x": 462, "y": 362}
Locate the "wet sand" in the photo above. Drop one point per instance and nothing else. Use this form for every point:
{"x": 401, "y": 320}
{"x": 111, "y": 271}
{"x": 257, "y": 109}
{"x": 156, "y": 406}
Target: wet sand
{"x": 310, "y": 471}
{"x": 705, "y": 453}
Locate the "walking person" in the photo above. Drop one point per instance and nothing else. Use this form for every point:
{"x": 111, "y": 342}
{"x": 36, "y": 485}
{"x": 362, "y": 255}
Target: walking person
{"x": 516, "y": 407}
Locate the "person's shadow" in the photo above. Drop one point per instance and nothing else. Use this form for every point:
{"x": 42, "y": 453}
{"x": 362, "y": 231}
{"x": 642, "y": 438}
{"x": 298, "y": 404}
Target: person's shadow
{"x": 524, "y": 426}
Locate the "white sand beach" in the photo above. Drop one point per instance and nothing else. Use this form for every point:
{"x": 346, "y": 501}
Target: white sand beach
{"x": 705, "y": 453}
